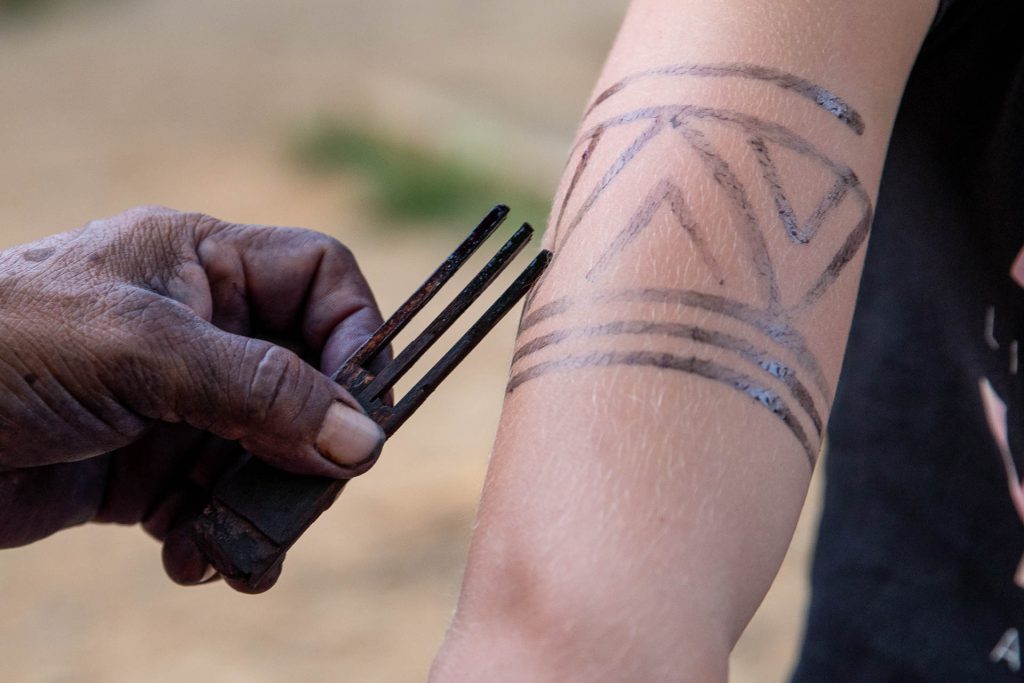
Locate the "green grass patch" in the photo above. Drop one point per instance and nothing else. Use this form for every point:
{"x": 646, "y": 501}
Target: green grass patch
{"x": 24, "y": 8}
{"x": 408, "y": 184}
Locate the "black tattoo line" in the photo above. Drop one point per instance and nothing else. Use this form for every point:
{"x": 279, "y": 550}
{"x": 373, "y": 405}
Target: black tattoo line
{"x": 613, "y": 172}
{"x": 664, "y": 192}
{"x": 686, "y": 364}
{"x": 676, "y": 117}
{"x": 728, "y": 342}
{"x": 768, "y": 313}
{"x": 823, "y": 98}
{"x": 749, "y": 231}
{"x": 774, "y": 328}
{"x": 785, "y": 209}
{"x": 594, "y": 141}
{"x": 842, "y": 257}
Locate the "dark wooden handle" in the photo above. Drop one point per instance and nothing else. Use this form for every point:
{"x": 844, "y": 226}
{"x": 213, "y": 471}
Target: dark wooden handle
{"x": 256, "y": 513}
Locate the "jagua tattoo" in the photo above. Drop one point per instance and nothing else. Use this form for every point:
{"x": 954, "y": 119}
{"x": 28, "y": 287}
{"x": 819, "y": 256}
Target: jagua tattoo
{"x": 825, "y": 99}
{"x": 774, "y": 366}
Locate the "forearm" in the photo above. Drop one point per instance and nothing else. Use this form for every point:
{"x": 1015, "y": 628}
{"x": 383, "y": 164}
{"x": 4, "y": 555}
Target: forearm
{"x": 675, "y": 368}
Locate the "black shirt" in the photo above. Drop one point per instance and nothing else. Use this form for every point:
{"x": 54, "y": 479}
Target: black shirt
{"x": 919, "y": 542}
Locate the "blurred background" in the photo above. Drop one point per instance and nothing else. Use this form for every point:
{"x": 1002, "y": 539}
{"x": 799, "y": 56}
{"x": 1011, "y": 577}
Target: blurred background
{"x": 392, "y": 125}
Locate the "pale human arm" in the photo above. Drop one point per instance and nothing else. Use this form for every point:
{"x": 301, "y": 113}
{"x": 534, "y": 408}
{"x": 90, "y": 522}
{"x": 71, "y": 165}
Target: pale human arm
{"x": 676, "y": 366}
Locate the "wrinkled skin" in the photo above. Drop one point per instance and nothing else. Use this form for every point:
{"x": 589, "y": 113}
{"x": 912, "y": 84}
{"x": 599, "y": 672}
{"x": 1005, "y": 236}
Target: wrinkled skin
{"x": 135, "y": 367}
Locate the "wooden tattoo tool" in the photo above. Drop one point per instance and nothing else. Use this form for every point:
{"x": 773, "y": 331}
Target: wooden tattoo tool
{"x": 257, "y": 512}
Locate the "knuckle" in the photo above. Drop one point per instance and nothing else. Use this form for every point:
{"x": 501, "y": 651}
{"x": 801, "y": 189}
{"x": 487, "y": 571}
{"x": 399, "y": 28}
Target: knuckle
{"x": 274, "y": 377}
{"x": 138, "y": 236}
{"x": 336, "y": 250}
{"x": 148, "y": 216}
{"x": 201, "y": 223}
{"x": 326, "y": 245}
{"x": 148, "y": 244}
{"x": 164, "y": 224}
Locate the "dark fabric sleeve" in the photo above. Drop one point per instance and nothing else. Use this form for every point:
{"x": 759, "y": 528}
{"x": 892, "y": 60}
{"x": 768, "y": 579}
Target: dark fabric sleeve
{"x": 943, "y": 6}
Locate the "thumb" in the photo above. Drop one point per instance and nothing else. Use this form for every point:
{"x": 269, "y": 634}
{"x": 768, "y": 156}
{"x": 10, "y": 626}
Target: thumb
{"x": 277, "y": 406}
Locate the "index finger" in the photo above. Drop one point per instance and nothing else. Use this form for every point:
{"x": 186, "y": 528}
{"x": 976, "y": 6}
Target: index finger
{"x": 292, "y": 282}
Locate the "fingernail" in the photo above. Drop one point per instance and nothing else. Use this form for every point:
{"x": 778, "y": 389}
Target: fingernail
{"x": 348, "y": 437}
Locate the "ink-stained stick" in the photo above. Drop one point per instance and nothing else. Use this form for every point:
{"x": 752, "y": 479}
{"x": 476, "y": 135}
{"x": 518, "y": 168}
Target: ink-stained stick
{"x": 415, "y": 397}
{"x": 387, "y": 332}
{"x": 397, "y": 368}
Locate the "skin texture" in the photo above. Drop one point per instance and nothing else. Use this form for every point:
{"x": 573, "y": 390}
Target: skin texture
{"x": 676, "y": 365}
{"x": 146, "y": 353}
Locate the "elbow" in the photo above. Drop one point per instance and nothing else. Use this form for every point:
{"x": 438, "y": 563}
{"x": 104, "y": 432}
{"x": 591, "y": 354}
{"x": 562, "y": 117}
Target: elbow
{"x": 523, "y": 619}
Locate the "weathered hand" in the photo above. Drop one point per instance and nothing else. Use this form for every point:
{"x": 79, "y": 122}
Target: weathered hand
{"x": 142, "y": 355}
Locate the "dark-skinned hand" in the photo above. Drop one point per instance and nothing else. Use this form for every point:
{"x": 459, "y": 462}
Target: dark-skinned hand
{"x": 142, "y": 355}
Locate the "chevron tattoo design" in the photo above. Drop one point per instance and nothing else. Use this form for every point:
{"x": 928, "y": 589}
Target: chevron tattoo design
{"x": 766, "y": 357}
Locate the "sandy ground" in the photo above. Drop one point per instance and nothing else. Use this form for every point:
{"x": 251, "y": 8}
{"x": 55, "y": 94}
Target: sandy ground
{"x": 191, "y": 104}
